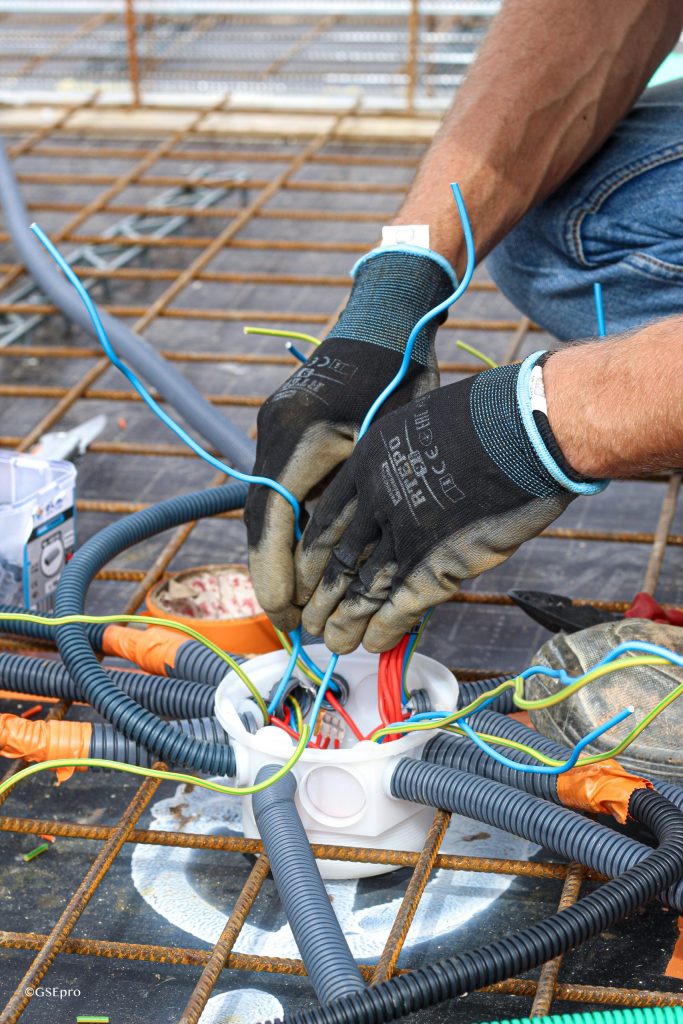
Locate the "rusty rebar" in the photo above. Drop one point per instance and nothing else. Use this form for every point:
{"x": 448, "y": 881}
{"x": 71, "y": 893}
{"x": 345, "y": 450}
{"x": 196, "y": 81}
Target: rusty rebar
{"x": 224, "y": 947}
{"x": 132, "y": 48}
{"x": 547, "y": 979}
{"x": 413, "y": 894}
{"x": 54, "y": 942}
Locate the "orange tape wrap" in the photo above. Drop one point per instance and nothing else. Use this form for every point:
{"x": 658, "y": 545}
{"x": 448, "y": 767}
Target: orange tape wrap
{"x": 44, "y": 741}
{"x": 603, "y": 788}
{"x": 154, "y": 649}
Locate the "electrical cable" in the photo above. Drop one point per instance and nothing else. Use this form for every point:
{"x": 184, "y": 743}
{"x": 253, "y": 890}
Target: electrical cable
{"x": 95, "y": 686}
{"x": 316, "y": 930}
{"x": 178, "y": 391}
{"x": 148, "y": 620}
{"x": 184, "y": 698}
{"x": 605, "y": 666}
{"x": 154, "y": 773}
{"x": 521, "y": 951}
{"x": 147, "y": 398}
{"x": 462, "y": 286}
{"x": 322, "y": 690}
{"x": 477, "y": 353}
{"x": 599, "y": 309}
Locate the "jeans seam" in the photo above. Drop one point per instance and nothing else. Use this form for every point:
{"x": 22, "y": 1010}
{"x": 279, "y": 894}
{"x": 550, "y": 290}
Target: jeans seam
{"x": 658, "y": 268}
{"x": 601, "y": 192}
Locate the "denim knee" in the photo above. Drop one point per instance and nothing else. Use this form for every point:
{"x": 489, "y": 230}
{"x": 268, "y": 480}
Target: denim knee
{"x": 618, "y": 220}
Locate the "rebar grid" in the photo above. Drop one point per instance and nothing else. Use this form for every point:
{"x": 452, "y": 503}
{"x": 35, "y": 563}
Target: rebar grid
{"x": 190, "y": 256}
{"x": 403, "y": 54}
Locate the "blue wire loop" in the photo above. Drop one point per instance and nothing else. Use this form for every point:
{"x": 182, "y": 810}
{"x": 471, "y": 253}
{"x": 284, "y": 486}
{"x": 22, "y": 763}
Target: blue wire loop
{"x": 423, "y": 321}
{"x": 246, "y": 478}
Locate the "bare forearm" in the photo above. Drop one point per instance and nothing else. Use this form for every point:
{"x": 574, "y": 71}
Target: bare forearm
{"x": 616, "y": 406}
{"x": 551, "y": 81}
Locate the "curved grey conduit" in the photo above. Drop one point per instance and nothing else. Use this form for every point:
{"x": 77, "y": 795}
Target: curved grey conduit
{"x": 317, "y": 933}
{"x": 132, "y": 348}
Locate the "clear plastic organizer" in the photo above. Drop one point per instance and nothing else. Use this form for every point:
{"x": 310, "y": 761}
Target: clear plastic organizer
{"x": 37, "y": 527}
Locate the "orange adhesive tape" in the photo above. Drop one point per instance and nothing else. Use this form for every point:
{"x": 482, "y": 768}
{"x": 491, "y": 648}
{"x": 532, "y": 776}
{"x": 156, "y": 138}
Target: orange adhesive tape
{"x": 44, "y": 741}
{"x": 154, "y": 649}
{"x": 603, "y": 788}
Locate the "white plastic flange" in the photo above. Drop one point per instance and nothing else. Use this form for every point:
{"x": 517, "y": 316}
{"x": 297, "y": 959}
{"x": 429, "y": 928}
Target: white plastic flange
{"x": 342, "y": 795}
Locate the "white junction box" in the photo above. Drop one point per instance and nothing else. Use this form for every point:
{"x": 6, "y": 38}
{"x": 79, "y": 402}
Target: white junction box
{"x": 342, "y": 794}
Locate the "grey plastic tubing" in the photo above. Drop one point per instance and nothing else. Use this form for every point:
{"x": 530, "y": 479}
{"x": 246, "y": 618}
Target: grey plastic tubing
{"x": 94, "y": 685}
{"x": 324, "y": 951}
{"x": 172, "y": 698}
{"x": 198, "y": 413}
{"x": 557, "y": 829}
{"x": 511, "y": 729}
{"x": 107, "y": 743}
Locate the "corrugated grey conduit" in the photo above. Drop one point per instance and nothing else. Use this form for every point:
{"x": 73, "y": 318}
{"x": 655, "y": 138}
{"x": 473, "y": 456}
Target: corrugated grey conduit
{"x": 107, "y": 743}
{"x": 511, "y": 729}
{"x": 226, "y": 438}
{"x": 314, "y": 924}
{"x": 172, "y": 698}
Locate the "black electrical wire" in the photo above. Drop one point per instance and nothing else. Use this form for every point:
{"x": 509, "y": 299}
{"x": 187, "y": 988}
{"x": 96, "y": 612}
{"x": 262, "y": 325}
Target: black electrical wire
{"x": 95, "y": 686}
{"x": 521, "y": 951}
{"x": 132, "y": 348}
{"x": 469, "y": 691}
{"x": 479, "y": 790}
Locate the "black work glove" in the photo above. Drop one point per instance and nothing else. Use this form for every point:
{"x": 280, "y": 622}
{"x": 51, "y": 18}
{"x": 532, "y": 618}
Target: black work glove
{"x": 436, "y": 492}
{"x": 308, "y": 427}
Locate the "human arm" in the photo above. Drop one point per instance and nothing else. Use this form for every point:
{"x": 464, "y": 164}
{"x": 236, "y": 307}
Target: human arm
{"x": 451, "y": 484}
{"x": 550, "y": 82}
{"x": 616, "y": 406}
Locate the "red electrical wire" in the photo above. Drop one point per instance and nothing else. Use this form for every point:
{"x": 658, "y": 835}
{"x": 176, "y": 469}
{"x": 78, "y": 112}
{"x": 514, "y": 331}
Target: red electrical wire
{"x": 343, "y": 713}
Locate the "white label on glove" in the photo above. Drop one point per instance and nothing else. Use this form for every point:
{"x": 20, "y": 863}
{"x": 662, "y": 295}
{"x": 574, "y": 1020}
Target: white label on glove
{"x": 537, "y": 391}
{"x": 406, "y": 234}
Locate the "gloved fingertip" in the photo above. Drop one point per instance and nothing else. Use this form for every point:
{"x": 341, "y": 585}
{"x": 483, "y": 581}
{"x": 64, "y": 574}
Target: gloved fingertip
{"x": 285, "y": 619}
{"x": 377, "y": 640}
{"x": 313, "y": 621}
{"x": 339, "y": 640}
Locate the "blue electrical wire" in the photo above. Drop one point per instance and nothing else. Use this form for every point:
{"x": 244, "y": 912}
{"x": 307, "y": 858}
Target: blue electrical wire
{"x": 295, "y": 352}
{"x": 538, "y": 769}
{"x": 403, "y": 369}
{"x": 291, "y": 665}
{"x": 144, "y": 393}
{"x": 599, "y": 309}
{"x": 528, "y": 768}
{"x": 322, "y": 690}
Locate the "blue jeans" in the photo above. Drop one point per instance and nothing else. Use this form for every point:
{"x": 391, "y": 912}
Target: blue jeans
{"x": 618, "y": 220}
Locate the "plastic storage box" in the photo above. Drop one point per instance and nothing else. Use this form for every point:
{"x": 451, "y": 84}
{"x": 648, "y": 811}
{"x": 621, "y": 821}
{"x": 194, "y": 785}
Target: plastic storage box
{"x": 37, "y": 527}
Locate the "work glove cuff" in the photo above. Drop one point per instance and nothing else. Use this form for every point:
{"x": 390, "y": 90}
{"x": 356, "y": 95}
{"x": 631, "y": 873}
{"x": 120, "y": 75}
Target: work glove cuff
{"x": 393, "y": 287}
{"x": 509, "y": 414}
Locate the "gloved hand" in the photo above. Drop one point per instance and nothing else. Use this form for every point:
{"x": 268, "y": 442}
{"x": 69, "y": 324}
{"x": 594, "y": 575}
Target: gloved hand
{"x": 436, "y": 492}
{"x": 307, "y": 428}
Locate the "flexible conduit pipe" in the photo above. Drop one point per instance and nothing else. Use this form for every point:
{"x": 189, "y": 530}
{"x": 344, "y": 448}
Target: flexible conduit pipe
{"x": 511, "y": 729}
{"x": 181, "y": 698}
{"x": 107, "y": 743}
{"x": 131, "y": 348}
{"x": 125, "y": 714}
{"x": 556, "y": 828}
{"x": 314, "y": 924}
{"x": 34, "y": 631}
{"x": 518, "y": 952}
